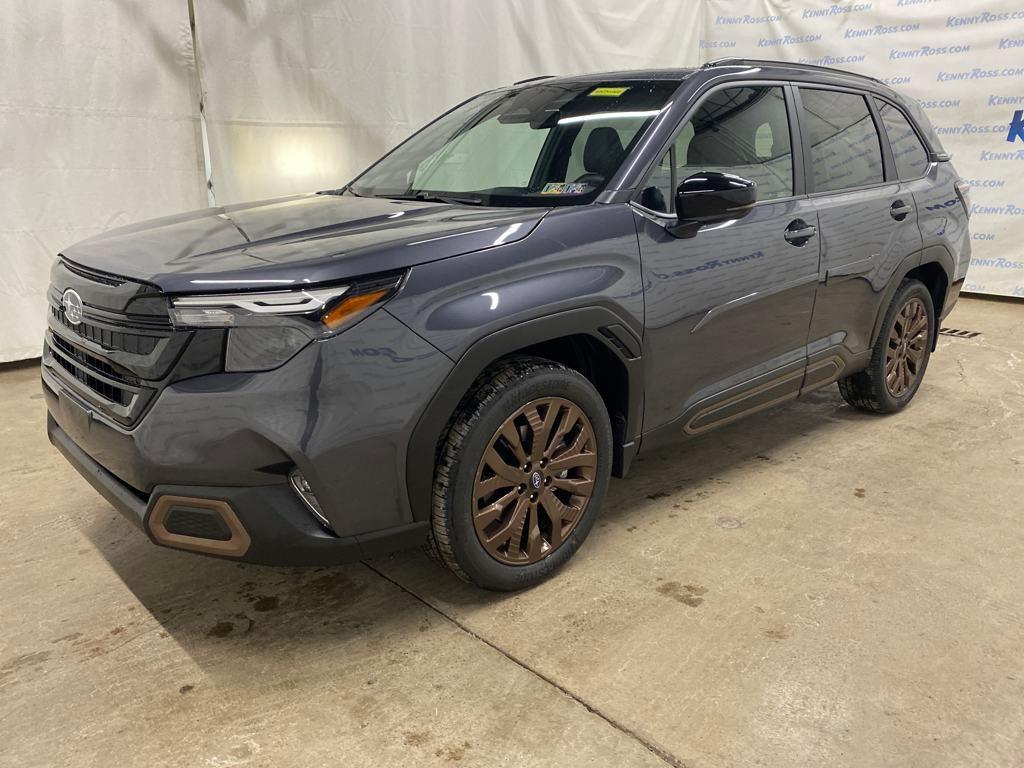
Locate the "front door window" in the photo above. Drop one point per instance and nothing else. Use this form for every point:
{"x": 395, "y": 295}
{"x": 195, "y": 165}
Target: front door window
{"x": 743, "y": 131}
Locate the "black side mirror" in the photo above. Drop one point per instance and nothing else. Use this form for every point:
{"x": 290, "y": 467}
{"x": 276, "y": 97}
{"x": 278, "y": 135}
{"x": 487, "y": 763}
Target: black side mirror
{"x": 709, "y": 197}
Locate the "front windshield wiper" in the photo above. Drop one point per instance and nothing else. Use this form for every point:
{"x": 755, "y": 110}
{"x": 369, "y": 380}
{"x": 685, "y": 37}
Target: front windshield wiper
{"x": 430, "y": 197}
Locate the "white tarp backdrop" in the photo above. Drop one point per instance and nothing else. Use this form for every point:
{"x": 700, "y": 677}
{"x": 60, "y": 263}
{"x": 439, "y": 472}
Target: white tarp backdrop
{"x": 303, "y": 95}
{"x": 99, "y": 103}
{"x": 98, "y": 128}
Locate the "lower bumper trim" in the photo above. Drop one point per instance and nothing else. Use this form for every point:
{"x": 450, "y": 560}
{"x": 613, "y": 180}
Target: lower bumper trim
{"x": 121, "y": 497}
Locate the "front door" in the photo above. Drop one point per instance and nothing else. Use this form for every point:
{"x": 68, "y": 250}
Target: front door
{"x": 728, "y": 310}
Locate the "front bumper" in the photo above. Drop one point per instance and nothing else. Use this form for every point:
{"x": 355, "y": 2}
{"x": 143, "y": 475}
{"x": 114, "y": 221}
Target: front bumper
{"x": 341, "y": 411}
{"x": 279, "y": 531}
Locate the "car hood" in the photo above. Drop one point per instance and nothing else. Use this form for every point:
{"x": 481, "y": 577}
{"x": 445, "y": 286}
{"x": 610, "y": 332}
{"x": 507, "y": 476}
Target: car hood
{"x": 309, "y": 238}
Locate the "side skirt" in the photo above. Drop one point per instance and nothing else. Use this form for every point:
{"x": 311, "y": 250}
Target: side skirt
{"x": 757, "y": 394}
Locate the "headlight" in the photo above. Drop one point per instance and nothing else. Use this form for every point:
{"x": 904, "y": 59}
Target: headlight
{"x": 265, "y": 329}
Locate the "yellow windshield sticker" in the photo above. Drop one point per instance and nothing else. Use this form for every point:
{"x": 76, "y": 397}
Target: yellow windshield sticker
{"x": 607, "y": 91}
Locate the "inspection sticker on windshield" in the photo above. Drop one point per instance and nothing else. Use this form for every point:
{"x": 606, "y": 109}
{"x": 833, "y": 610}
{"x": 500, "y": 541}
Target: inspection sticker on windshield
{"x": 606, "y": 91}
{"x": 561, "y": 188}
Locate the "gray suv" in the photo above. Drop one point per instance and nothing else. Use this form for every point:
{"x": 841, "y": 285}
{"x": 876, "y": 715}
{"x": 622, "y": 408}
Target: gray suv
{"x": 460, "y": 346}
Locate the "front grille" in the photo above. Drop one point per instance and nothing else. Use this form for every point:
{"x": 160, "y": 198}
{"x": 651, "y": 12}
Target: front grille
{"x": 125, "y": 350}
{"x": 132, "y": 343}
{"x": 96, "y": 364}
{"x": 84, "y": 374}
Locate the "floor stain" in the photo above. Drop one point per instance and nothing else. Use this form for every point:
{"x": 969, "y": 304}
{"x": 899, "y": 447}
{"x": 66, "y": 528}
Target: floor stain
{"x": 221, "y": 629}
{"x": 455, "y": 753}
{"x": 416, "y": 738}
{"x": 186, "y": 688}
{"x": 328, "y": 587}
{"x": 265, "y": 603}
{"x": 658, "y": 495}
{"x": 859, "y": 493}
{"x": 687, "y": 594}
{"x": 776, "y": 633}
{"x": 25, "y": 660}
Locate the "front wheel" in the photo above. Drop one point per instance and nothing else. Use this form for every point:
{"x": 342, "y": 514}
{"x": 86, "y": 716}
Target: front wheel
{"x": 521, "y": 474}
{"x": 900, "y": 355}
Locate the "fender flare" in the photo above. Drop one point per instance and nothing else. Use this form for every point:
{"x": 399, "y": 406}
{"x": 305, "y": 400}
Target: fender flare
{"x": 598, "y": 322}
{"x": 933, "y": 253}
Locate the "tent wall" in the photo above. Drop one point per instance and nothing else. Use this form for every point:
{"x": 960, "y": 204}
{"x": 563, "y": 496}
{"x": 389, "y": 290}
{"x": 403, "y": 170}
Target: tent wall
{"x": 303, "y": 94}
{"x": 98, "y": 128}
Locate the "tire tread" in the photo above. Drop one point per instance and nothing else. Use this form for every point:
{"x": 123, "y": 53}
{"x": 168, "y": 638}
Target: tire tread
{"x": 488, "y": 387}
{"x": 862, "y": 390}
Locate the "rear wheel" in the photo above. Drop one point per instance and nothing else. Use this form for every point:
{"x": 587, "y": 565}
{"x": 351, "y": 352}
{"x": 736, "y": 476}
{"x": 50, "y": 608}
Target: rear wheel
{"x": 900, "y": 355}
{"x": 521, "y": 474}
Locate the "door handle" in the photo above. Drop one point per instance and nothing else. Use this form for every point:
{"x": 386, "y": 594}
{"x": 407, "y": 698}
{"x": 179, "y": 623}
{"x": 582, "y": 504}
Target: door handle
{"x": 899, "y": 210}
{"x": 799, "y": 232}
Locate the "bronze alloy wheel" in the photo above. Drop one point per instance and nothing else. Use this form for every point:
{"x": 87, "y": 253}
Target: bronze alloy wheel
{"x": 905, "y": 354}
{"x": 534, "y": 481}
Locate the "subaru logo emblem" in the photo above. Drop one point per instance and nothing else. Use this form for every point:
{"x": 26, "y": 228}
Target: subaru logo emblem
{"x": 536, "y": 480}
{"x": 72, "y": 304}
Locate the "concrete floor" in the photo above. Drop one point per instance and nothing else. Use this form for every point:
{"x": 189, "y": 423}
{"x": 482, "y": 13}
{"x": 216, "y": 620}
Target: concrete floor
{"x": 812, "y": 586}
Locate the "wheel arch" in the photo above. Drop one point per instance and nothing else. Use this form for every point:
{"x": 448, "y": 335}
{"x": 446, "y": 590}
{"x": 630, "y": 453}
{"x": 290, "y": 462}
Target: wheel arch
{"x": 936, "y": 280}
{"x": 594, "y": 341}
{"x": 933, "y": 266}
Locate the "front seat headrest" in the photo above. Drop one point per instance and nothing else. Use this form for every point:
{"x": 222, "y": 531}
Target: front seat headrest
{"x": 603, "y": 151}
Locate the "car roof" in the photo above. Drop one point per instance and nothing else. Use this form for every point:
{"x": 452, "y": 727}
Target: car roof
{"x": 741, "y": 68}
{"x": 615, "y": 76}
{"x": 781, "y": 69}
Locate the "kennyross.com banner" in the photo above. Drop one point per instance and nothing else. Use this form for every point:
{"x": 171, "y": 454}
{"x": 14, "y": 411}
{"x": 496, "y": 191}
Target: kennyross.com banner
{"x": 962, "y": 59}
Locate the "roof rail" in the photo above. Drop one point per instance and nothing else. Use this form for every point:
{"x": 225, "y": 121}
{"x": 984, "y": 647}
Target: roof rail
{"x": 739, "y": 61}
{"x": 531, "y": 79}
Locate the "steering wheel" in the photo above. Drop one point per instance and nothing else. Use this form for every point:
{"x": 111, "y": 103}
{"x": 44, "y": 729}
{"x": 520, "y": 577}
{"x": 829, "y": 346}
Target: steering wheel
{"x": 590, "y": 178}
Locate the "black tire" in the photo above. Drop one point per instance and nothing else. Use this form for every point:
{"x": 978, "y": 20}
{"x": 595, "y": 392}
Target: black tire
{"x": 498, "y": 394}
{"x": 868, "y": 390}
{"x": 430, "y": 547}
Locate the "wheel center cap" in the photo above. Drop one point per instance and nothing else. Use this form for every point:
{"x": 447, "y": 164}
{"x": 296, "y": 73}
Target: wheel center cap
{"x": 536, "y": 480}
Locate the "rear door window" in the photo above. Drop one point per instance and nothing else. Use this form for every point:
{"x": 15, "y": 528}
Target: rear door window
{"x": 907, "y": 150}
{"x": 846, "y": 151}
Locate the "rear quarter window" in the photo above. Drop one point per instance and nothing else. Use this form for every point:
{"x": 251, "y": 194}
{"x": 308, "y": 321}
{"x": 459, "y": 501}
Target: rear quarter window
{"x": 907, "y": 150}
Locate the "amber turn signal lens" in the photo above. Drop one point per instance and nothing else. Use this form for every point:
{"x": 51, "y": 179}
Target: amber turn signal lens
{"x": 348, "y": 308}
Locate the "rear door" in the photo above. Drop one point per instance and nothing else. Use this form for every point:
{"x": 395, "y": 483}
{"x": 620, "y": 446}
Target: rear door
{"x": 867, "y": 220}
{"x": 727, "y": 310}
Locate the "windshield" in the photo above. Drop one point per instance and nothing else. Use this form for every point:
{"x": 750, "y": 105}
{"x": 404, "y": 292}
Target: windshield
{"x": 542, "y": 144}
